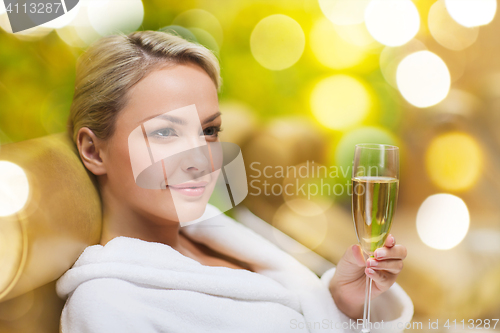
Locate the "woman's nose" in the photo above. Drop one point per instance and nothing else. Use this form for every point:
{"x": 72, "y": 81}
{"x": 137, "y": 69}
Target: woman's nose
{"x": 196, "y": 160}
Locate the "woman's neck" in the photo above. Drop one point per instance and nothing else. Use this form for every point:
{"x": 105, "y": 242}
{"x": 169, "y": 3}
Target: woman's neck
{"x": 121, "y": 220}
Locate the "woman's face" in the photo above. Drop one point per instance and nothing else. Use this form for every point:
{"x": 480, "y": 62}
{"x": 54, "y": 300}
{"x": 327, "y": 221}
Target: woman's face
{"x": 170, "y": 118}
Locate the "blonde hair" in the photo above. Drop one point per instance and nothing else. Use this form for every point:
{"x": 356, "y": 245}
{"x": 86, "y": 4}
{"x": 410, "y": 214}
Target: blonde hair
{"x": 113, "y": 64}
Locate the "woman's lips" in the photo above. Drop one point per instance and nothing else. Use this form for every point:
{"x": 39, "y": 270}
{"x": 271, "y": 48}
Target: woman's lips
{"x": 190, "y": 189}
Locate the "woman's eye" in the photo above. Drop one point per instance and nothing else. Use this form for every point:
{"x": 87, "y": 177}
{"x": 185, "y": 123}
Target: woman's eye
{"x": 212, "y": 131}
{"x": 163, "y": 133}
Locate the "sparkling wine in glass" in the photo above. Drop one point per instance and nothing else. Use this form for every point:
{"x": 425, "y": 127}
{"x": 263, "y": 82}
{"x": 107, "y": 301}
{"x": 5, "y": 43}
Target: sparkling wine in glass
{"x": 375, "y": 185}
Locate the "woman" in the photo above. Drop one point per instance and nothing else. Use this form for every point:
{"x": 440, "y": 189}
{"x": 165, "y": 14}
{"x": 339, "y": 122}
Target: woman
{"x": 149, "y": 274}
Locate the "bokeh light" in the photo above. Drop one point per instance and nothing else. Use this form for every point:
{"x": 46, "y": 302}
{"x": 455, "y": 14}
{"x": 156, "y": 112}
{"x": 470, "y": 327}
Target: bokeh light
{"x": 79, "y": 32}
{"x": 14, "y": 188}
{"x": 284, "y": 141}
{"x": 54, "y": 110}
{"x": 472, "y": 13}
{"x": 298, "y": 137}
{"x": 331, "y": 49}
{"x": 340, "y": 101}
{"x": 344, "y": 153}
{"x": 310, "y": 229}
{"x": 442, "y": 221}
{"x": 238, "y": 120}
{"x": 199, "y": 19}
{"x": 447, "y": 31}
{"x": 20, "y": 307}
{"x": 277, "y": 42}
{"x": 65, "y": 19}
{"x": 181, "y": 31}
{"x": 307, "y": 189}
{"x": 205, "y": 38}
{"x": 4, "y": 22}
{"x": 392, "y": 22}
{"x": 390, "y": 57}
{"x": 456, "y": 62}
{"x": 33, "y": 34}
{"x": 423, "y": 79}
{"x": 111, "y": 16}
{"x": 454, "y": 161}
{"x": 357, "y": 34}
{"x": 306, "y": 207}
{"x": 29, "y": 35}
{"x": 268, "y": 113}
{"x": 484, "y": 241}
{"x": 458, "y": 103}
{"x": 344, "y": 12}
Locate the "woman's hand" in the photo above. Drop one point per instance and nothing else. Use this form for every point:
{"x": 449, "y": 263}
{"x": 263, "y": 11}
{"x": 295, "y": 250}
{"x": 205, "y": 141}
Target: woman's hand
{"x": 348, "y": 283}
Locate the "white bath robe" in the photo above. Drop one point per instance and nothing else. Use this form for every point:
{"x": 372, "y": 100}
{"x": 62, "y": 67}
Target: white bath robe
{"x": 131, "y": 285}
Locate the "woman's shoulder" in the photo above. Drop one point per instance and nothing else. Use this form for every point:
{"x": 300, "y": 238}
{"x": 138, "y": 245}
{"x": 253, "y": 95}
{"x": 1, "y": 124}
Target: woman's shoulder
{"x": 101, "y": 305}
{"x": 124, "y": 258}
{"x": 103, "y": 291}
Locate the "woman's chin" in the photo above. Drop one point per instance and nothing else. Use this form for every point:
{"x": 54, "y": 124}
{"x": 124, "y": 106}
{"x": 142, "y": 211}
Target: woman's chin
{"x": 189, "y": 207}
{"x": 190, "y": 212}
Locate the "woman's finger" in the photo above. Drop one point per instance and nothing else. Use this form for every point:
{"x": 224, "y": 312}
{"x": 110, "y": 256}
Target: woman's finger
{"x": 395, "y": 252}
{"x": 390, "y": 241}
{"x": 393, "y": 266}
{"x": 383, "y": 279}
{"x": 358, "y": 255}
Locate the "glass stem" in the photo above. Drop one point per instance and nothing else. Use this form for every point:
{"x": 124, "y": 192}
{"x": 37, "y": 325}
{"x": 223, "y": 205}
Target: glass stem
{"x": 369, "y": 302}
{"x": 366, "y": 304}
{"x": 366, "y": 309}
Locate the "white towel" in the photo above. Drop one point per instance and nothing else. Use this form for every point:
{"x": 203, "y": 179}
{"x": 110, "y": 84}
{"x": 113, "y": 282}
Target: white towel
{"x": 131, "y": 285}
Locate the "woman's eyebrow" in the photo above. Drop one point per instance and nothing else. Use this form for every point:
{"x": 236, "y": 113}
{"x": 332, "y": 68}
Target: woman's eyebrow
{"x": 212, "y": 118}
{"x": 180, "y": 121}
{"x": 168, "y": 117}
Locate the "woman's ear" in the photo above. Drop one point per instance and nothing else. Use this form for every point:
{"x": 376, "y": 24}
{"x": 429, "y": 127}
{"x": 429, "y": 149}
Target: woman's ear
{"x": 91, "y": 149}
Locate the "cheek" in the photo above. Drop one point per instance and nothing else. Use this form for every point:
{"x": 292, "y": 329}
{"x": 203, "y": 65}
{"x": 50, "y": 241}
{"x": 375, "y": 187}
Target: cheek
{"x": 119, "y": 168}
{"x": 121, "y": 184}
{"x": 157, "y": 203}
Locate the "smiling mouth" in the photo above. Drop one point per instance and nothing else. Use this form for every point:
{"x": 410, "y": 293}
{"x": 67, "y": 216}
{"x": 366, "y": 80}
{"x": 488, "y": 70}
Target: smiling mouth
{"x": 190, "y": 189}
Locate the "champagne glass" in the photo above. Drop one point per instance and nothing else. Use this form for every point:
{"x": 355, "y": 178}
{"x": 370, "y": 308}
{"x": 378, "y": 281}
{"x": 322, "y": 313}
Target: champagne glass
{"x": 375, "y": 185}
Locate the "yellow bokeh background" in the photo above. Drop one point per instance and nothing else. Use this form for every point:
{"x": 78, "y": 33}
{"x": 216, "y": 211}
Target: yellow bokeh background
{"x": 454, "y": 161}
{"x": 305, "y": 81}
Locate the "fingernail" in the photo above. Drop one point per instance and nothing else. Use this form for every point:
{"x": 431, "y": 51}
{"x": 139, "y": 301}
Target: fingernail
{"x": 380, "y": 253}
{"x": 393, "y": 241}
{"x": 372, "y": 263}
{"x": 371, "y": 271}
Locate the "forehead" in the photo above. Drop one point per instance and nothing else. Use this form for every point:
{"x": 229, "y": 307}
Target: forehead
{"x": 169, "y": 89}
